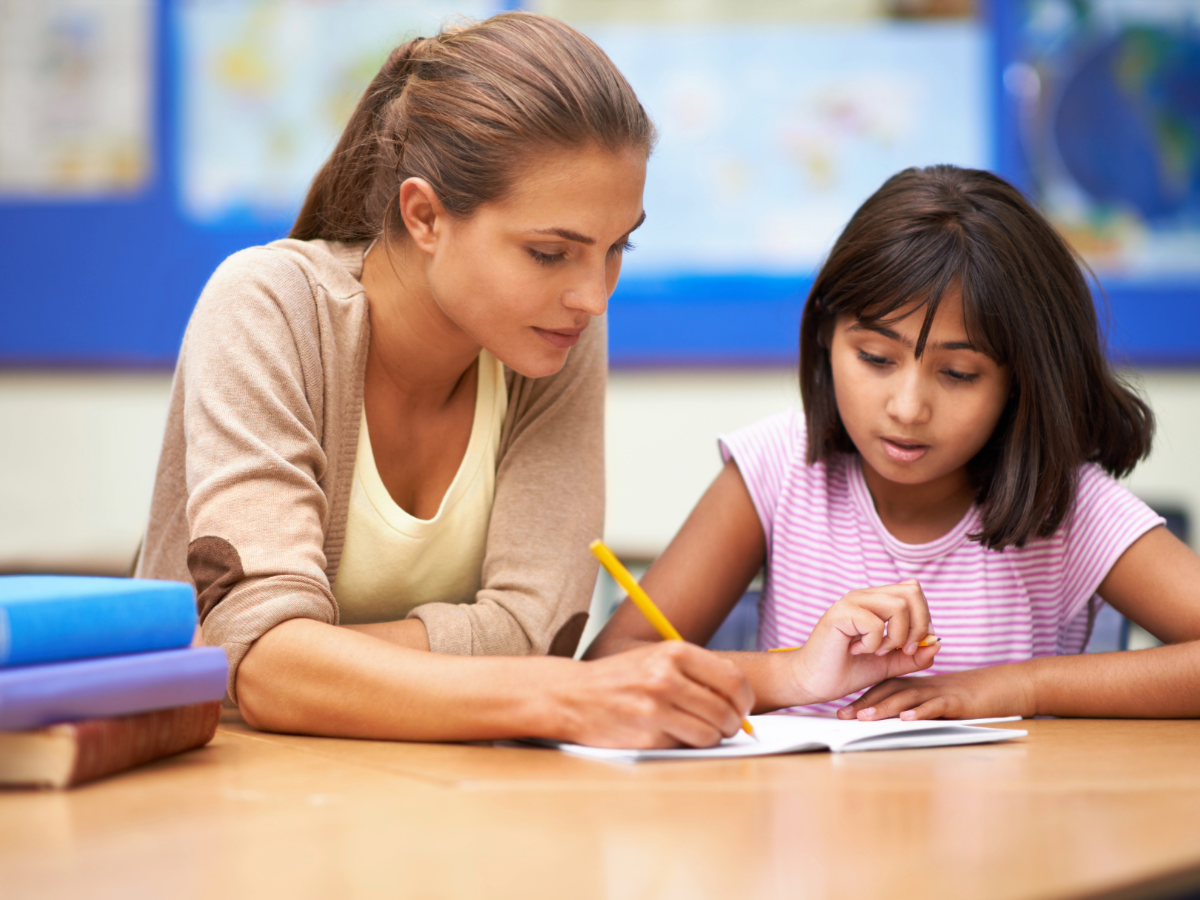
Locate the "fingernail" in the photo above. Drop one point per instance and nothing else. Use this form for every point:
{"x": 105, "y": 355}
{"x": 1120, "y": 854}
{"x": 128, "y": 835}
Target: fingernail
{"x": 866, "y": 713}
{"x": 911, "y": 648}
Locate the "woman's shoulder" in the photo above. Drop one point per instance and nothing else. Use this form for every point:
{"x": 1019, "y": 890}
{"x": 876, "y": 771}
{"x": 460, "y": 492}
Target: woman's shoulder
{"x": 286, "y": 266}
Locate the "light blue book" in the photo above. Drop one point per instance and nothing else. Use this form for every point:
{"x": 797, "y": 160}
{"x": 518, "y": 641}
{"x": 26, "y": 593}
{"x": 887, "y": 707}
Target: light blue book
{"x": 47, "y": 618}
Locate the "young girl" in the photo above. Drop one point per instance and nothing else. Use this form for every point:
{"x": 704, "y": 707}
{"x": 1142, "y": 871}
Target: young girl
{"x": 385, "y": 433}
{"x": 961, "y": 438}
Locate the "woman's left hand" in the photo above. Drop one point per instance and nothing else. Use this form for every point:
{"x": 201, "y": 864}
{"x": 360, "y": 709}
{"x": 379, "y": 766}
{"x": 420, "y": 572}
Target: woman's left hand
{"x": 1005, "y": 690}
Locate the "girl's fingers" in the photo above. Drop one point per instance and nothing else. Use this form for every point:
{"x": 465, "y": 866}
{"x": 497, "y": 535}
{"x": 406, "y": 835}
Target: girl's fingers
{"x": 867, "y": 629}
{"x": 890, "y": 707}
{"x": 920, "y": 623}
{"x": 874, "y": 696}
{"x": 930, "y": 709}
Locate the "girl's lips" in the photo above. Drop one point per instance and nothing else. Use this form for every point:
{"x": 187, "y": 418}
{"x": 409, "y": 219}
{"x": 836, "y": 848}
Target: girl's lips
{"x": 562, "y": 340}
{"x": 903, "y": 451}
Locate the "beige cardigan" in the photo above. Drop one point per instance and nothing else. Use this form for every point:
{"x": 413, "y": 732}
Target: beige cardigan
{"x": 253, "y": 485}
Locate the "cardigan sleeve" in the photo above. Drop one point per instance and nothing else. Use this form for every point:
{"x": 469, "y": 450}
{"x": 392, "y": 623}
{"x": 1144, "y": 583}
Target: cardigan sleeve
{"x": 538, "y": 575}
{"x": 252, "y": 411}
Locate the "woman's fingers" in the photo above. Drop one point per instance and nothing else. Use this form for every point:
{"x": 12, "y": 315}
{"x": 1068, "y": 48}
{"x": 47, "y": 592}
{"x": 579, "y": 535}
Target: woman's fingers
{"x": 692, "y": 696}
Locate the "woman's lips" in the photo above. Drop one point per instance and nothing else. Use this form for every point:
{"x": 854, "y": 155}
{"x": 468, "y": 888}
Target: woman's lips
{"x": 903, "y": 451}
{"x": 563, "y": 338}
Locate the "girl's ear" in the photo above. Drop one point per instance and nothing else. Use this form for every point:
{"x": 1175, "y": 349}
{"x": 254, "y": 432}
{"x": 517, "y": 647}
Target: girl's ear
{"x": 422, "y": 212}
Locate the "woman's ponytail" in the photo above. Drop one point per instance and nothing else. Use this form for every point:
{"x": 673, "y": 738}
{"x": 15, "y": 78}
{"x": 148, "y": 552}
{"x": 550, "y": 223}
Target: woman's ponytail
{"x": 461, "y": 111}
{"x": 336, "y": 206}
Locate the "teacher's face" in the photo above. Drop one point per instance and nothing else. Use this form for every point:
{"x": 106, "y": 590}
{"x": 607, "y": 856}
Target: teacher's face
{"x": 524, "y": 276}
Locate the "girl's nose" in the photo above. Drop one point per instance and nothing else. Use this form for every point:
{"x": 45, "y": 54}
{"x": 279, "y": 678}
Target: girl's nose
{"x": 908, "y": 403}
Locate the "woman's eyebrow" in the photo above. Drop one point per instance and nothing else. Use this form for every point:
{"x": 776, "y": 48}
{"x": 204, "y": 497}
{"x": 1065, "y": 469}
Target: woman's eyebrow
{"x": 896, "y": 336}
{"x": 568, "y": 234}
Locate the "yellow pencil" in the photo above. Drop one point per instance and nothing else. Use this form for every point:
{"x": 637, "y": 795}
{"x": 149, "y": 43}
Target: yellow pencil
{"x": 643, "y": 602}
{"x": 928, "y": 642}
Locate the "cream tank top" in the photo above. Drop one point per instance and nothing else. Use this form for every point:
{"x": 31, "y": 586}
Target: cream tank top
{"x": 393, "y": 561}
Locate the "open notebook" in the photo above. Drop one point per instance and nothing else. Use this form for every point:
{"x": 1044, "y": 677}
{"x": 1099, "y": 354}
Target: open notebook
{"x": 793, "y": 734}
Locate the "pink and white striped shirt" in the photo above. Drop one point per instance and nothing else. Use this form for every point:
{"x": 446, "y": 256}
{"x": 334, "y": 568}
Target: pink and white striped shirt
{"x": 825, "y": 539}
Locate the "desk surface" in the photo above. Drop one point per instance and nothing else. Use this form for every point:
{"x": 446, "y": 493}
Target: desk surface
{"x": 1076, "y": 809}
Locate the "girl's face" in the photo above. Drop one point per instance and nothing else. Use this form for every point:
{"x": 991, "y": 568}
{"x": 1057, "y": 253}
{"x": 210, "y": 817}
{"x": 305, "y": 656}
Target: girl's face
{"x": 525, "y": 276}
{"x": 916, "y": 420}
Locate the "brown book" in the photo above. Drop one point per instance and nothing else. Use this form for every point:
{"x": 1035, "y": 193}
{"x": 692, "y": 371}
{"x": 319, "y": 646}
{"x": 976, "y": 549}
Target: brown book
{"x": 76, "y": 752}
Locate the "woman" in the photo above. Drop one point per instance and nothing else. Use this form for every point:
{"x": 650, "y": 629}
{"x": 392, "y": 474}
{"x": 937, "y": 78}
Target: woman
{"x": 385, "y": 433}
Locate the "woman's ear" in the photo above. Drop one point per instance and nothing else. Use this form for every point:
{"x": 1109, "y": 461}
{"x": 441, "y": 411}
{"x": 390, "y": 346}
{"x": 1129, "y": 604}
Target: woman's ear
{"x": 422, "y": 212}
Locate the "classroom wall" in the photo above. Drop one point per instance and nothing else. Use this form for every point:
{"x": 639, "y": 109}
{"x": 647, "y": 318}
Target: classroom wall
{"x": 78, "y": 451}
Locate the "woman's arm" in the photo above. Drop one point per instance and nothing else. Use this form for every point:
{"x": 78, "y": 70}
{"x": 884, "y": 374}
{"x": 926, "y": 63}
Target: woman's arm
{"x": 1156, "y": 583}
{"x": 709, "y": 565}
{"x": 305, "y": 676}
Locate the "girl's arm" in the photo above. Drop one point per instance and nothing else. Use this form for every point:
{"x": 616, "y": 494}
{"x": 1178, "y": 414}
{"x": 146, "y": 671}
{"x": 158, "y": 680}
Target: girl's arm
{"x": 708, "y": 567}
{"x": 1155, "y": 583}
{"x": 305, "y": 676}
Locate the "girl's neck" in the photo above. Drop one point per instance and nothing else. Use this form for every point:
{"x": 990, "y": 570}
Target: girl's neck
{"x": 417, "y": 355}
{"x": 920, "y": 513}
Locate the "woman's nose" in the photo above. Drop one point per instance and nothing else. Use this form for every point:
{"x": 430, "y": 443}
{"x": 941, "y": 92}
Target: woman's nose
{"x": 590, "y": 295}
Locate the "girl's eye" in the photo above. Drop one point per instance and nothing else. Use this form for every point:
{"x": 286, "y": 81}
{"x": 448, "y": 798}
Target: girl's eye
{"x": 964, "y": 377}
{"x": 547, "y": 259}
{"x": 621, "y": 248}
{"x": 872, "y": 359}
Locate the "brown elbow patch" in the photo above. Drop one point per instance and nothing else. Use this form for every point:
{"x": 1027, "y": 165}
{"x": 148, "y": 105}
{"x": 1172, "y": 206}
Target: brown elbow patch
{"x": 216, "y": 567}
{"x": 566, "y": 641}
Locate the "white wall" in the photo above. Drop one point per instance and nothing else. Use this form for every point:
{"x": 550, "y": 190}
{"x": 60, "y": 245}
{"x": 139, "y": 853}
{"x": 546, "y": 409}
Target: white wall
{"x": 78, "y": 451}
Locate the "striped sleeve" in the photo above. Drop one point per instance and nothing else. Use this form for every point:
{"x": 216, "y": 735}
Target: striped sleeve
{"x": 1107, "y": 519}
{"x": 763, "y": 451}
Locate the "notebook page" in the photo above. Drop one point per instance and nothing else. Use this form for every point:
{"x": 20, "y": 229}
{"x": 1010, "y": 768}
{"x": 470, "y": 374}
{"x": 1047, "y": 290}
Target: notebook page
{"x": 793, "y": 734}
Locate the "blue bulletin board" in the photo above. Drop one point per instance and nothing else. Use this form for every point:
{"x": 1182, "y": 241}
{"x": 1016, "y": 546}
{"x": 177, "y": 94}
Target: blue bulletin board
{"x": 111, "y": 223}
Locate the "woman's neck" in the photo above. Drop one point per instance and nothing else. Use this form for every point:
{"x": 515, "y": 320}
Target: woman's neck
{"x": 920, "y": 513}
{"x": 416, "y": 353}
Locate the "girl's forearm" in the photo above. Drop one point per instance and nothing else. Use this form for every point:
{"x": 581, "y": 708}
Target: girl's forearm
{"x": 1160, "y": 683}
{"x": 307, "y": 677}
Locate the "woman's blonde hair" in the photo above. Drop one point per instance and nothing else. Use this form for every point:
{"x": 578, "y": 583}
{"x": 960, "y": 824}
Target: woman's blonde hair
{"x": 463, "y": 110}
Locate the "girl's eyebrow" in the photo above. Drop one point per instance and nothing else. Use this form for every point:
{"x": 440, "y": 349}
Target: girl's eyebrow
{"x": 568, "y": 234}
{"x": 896, "y": 336}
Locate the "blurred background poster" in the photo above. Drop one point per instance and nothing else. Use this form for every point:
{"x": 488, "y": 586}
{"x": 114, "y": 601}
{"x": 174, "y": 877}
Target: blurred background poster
{"x": 265, "y": 88}
{"x": 1107, "y": 97}
{"x": 76, "y": 78}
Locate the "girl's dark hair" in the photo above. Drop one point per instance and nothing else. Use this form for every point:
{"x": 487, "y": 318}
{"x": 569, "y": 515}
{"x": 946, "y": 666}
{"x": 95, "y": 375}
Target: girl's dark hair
{"x": 1026, "y": 304}
{"x": 463, "y": 110}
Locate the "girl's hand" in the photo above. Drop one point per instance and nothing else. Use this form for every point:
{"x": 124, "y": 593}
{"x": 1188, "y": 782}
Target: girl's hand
{"x": 867, "y": 636}
{"x": 662, "y": 695}
{"x": 975, "y": 694}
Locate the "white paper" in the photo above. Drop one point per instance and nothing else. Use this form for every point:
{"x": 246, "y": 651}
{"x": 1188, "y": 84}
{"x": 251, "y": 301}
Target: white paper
{"x": 793, "y": 734}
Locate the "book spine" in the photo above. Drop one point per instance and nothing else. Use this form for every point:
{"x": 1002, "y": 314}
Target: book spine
{"x": 106, "y": 746}
{"x": 136, "y": 620}
{"x": 34, "y": 696}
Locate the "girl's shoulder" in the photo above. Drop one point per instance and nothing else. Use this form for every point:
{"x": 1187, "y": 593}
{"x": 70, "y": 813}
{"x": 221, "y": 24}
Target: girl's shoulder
{"x": 1105, "y": 520}
{"x": 771, "y": 456}
{"x": 778, "y": 441}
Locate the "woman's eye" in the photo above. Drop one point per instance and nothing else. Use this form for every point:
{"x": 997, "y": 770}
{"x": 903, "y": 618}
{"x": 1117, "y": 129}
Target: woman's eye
{"x": 872, "y": 359}
{"x": 964, "y": 377}
{"x": 621, "y": 248}
{"x": 547, "y": 259}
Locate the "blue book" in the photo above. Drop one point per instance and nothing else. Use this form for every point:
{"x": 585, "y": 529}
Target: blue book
{"x": 34, "y": 696}
{"x": 45, "y": 618}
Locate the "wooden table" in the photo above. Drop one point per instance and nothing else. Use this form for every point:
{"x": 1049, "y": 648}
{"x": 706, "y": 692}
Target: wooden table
{"x": 1077, "y": 809}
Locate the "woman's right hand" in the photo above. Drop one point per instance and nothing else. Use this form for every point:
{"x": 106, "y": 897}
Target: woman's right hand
{"x": 660, "y": 695}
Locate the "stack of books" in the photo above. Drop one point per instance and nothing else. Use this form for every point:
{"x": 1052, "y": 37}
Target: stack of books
{"x": 97, "y": 676}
